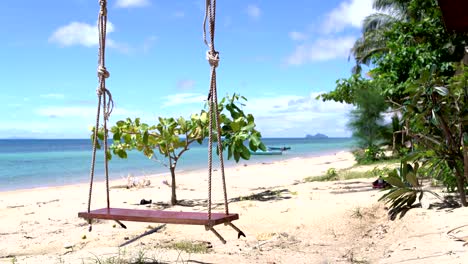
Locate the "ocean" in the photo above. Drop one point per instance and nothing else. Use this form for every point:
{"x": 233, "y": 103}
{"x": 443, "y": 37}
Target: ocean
{"x": 31, "y": 163}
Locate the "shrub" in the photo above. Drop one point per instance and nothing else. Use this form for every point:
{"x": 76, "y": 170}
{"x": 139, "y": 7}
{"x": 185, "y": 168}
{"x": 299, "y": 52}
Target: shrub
{"x": 368, "y": 155}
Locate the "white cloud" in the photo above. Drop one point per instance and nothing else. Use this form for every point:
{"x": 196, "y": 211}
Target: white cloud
{"x": 350, "y": 13}
{"x": 185, "y": 84}
{"x": 297, "y": 116}
{"x": 184, "y": 98}
{"x": 53, "y": 96}
{"x": 297, "y": 36}
{"x": 331, "y": 43}
{"x": 78, "y": 33}
{"x": 322, "y": 49}
{"x": 253, "y": 11}
{"x": 132, "y": 3}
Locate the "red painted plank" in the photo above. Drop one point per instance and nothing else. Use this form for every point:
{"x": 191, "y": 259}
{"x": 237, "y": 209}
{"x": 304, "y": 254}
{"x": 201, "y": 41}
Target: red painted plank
{"x": 157, "y": 216}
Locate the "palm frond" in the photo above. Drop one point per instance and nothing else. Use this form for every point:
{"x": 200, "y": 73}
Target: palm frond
{"x": 391, "y": 6}
{"x": 367, "y": 46}
{"x": 378, "y": 21}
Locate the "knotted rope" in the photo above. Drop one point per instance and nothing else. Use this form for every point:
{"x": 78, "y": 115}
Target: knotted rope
{"x": 104, "y": 99}
{"x": 213, "y": 59}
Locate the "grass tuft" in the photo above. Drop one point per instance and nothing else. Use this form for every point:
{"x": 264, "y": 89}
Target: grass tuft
{"x": 190, "y": 247}
{"x": 349, "y": 174}
{"x": 357, "y": 213}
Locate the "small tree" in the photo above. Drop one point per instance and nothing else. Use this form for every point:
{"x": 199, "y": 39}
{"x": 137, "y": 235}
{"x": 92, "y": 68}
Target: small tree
{"x": 172, "y": 137}
{"x": 438, "y": 112}
{"x": 366, "y": 121}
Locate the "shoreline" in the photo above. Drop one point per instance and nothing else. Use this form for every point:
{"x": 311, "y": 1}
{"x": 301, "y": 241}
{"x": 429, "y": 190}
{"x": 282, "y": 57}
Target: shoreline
{"x": 182, "y": 171}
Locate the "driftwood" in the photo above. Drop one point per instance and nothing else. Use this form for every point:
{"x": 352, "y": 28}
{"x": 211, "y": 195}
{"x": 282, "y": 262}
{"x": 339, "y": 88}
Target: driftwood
{"x": 458, "y": 238}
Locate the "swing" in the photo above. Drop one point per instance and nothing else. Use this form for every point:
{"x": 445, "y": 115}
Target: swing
{"x": 209, "y": 219}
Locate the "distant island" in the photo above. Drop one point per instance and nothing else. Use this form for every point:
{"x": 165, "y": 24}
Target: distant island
{"x": 318, "y": 135}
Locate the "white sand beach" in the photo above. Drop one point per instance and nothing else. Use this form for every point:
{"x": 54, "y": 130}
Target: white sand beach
{"x": 285, "y": 219}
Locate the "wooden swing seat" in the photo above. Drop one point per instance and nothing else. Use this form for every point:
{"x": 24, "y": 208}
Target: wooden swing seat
{"x": 158, "y": 216}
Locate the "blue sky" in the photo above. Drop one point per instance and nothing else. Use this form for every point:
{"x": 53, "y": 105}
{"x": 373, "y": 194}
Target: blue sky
{"x": 279, "y": 54}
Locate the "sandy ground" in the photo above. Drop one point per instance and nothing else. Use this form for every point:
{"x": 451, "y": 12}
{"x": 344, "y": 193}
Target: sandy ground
{"x": 285, "y": 219}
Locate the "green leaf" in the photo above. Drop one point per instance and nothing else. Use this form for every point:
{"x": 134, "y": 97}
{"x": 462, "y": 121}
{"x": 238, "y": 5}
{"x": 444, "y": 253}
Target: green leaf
{"x": 441, "y": 90}
{"x": 204, "y": 117}
{"x": 108, "y": 155}
{"x": 394, "y": 194}
{"x": 245, "y": 154}
{"x": 255, "y": 140}
{"x": 252, "y": 146}
{"x": 127, "y": 138}
{"x": 122, "y": 154}
{"x": 235, "y": 126}
{"x": 395, "y": 181}
{"x": 236, "y": 155}
{"x": 145, "y": 137}
{"x": 100, "y": 134}
{"x": 411, "y": 178}
{"x": 229, "y": 151}
{"x": 248, "y": 127}
{"x": 116, "y": 136}
{"x": 465, "y": 138}
{"x": 411, "y": 199}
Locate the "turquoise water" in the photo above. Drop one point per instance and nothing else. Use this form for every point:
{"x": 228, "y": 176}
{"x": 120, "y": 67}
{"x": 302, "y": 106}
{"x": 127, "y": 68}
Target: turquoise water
{"x": 29, "y": 163}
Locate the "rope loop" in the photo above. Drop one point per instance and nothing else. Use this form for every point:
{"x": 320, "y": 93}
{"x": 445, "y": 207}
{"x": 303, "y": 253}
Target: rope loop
{"x": 102, "y": 90}
{"x": 213, "y": 58}
{"x": 103, "y": 4}
{"x": 102, "y": 72}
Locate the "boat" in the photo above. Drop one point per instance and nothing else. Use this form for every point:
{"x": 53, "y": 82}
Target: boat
{"x": 268, "y": 152}
{"x": 279, "y": 148}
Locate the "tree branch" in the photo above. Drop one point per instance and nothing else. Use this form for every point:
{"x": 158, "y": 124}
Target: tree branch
{"x": 435, "y": 141}
{"x": 138, "y": 133}
{"x": 160, "y": 161}
{"x": 187, "y": 143}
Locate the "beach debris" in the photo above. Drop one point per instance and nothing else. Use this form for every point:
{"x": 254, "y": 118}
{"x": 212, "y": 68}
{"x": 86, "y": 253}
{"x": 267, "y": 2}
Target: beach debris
{"x": 149, "y": 232}
{"x": 461, "y": 235}
{"x": 68, "y": 245}
{"x": 47, "y": 202}
{"x": 133, "y": 181}
{"x": 380, "y": 184}
{"x": 265, "y": 238}
{"x": 143, "y": 202}
{"x": 165, "y": 182}
{"x": 15, "y": 206}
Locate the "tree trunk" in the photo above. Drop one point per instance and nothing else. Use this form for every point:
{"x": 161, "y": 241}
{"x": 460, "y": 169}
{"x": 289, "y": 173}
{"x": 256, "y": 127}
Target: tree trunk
{"x": 461, "y": 186}
{"x": 465, "y": 159}
{"x": 173, "y": 187}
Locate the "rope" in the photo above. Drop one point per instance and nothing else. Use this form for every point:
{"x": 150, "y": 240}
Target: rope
{"x": 210, "y": 156}
{"x": 213, "y": 59}
{"x": 93, "y": 159}
{"x": 104, "y": 97}
{"x": 220, "y": 150}
{"x": 103, "y": 74}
